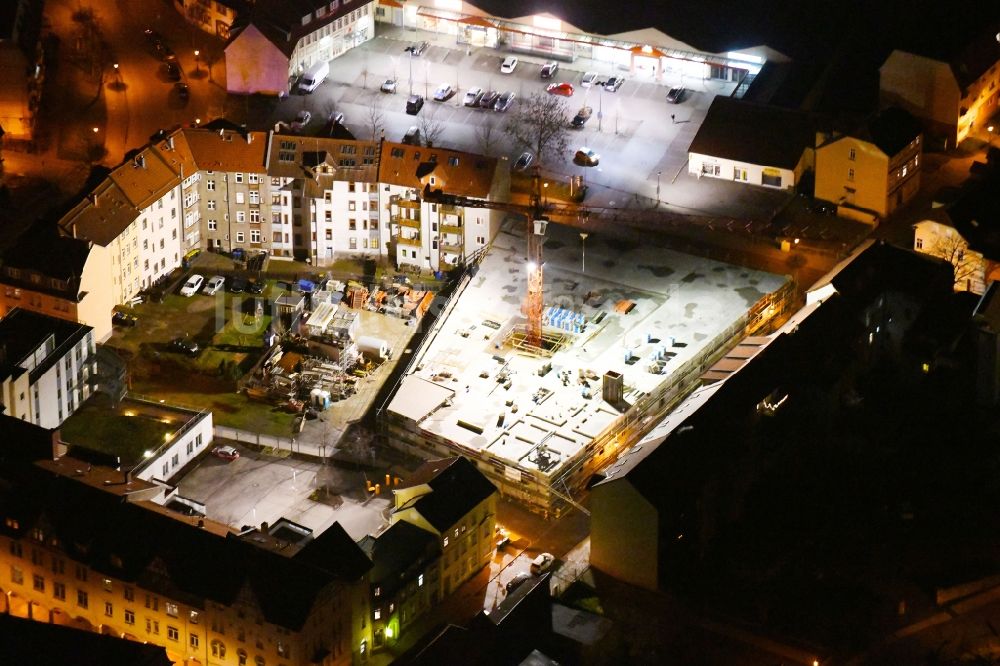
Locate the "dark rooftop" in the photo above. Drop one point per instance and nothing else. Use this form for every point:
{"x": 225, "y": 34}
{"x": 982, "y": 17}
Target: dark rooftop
{"x": 893, "y": 129}
{"x": 748, "y": 132}
{"x": 400, "y": 550}
{"x": 45, "y": 643}
{"x": 22, "y": 332}
{"x": 456, "y": 487}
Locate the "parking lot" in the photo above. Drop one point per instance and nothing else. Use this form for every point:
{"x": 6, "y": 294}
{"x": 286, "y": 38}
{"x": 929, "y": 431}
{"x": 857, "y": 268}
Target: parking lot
{"x": 259, "y": 487}
{"x": 631, "y": 129}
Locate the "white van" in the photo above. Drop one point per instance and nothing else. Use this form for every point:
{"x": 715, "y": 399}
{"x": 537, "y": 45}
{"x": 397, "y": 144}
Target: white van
{"x": 314, "y": 76}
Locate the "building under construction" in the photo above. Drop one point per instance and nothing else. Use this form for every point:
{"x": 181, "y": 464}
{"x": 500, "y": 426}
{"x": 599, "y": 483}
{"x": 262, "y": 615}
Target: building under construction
{"x": 628, "y": 330}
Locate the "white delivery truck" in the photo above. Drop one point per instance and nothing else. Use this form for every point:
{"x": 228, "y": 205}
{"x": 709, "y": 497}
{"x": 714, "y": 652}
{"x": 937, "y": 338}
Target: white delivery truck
{"x": 314, "y": 76}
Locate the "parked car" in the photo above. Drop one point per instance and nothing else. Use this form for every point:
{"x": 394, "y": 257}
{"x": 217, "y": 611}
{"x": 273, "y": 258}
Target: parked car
{"x": 412, "y": 136}
{"x": 564, "y": 89}
{"x": 549, "y": 69}
{"x": 489, "y": 99}
{"x": 185, "y": 346}
{"x": 586, "y": 157}
{"x": 417, "y": 49}
{"x": 503, "y": 540}
{"x": 614, "y": 83}
{"x": 173, "y": 71}
{"x": 676, "y": 94}
{"x": 238, "y": 285}
{"x": 123, "y": 319}
{"x": 413, "y": 104}
{"x": 472, "y": 96}
{"x": 214, "y": 284}
{"x": 588, "y": 79}
{"x": 183, "y": 92}
{"x": 388, "y": 86}
{"x": 504, "y": 101}
{"x": 581, "y": 117}
{"x": 524, "y": 161}
{"x": 254, "y": 287}
{"x": 542, "y": 563}
{"x": 444, "y": 92}
{"x": 335, "y": 118}
{"x": 300, "y": 121}
{"x": 517, "y": 581}
{"x": 508, "y": 65}
{"x": 225, "y": 452}
{"x": 192, "y": 285}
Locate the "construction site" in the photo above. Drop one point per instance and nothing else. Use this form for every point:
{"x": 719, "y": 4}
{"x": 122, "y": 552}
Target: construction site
{"x": 544, "y": 388}
{"x": 333, "y": 335}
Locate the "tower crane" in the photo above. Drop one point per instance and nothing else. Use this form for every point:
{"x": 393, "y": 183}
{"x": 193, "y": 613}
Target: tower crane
{"x": 536, "y": 215}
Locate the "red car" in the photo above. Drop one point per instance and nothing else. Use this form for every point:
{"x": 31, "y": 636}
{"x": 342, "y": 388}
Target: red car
{"x": 564, "y": 89}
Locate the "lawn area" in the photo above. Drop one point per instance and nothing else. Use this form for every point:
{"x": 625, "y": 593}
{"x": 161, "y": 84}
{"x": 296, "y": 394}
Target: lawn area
{"x": 120, "y": 432}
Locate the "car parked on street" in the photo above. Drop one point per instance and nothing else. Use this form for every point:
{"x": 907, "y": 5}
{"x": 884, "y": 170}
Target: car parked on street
{"x": 588, "y": 79}
{"x": 300, "y": 121}
{"x": 472, "y": 96}
{"x": 586, "y": 157}
{"x": 549, "y": 69}
{"x": 504, "y": 101}
{"x": 225, "y": 453}
{"x": 238, "y": 285}
{"x": 517, "y": 581}
{"x": 508, "y": 65}
{"x": 416, "y": 49}
{"x": 412, "y": 136}
{"x": 542, "y": 563}
{"x": 182, "y": 90}
{"x": 489, "y": 99}
{"x": 388, "y": 86}
{"x": 614, "y": 83}
{"x": 192, "y": 285}
{"x": 581, "y": 117}
{"x": 676, "y": 94}
{"x": 173, "y": 72}
{"x": 523, "y": 161}
{"x": 214, "y": 284}
{"x": 444, "y": 92}
{"x": 254, "y": 287}
{"x": 413, "y": 104}
{"x": 185, "y": 346}
{"x": 564, "y": 89}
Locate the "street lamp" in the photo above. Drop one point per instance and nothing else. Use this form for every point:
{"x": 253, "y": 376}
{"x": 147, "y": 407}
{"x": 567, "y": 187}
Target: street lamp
{"x": 658, "y": 186}
{"x": 583, "y": 248}
{"x": 197, "y": 66}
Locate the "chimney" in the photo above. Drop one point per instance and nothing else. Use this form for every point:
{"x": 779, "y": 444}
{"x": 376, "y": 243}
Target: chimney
{"x": 612, "y": 390}
{"x": 92, "y": 197}
{"x": 249, "y": 138}
{"x": 170, "y": 142}
{"x": 263, "y": 527}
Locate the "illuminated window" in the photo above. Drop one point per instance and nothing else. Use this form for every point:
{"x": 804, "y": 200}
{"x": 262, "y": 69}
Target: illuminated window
{"x": 420, "y": 580}
{"x": 852, "y": 154}
{"x": 850, "y": 174}
{"x": 378, "y": 613}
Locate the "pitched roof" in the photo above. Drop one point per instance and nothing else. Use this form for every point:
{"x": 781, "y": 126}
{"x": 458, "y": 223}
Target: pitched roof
{"x": 456, "y": 488}
{"x": 281, "y": 21}
{"x": 754, "y": 133}
{"x": 892, "y": 129}
{"x": 22, "y": 332}
{"x": 458, "y": 173}
{"x": 144, "y": 178}
{"x": 398, "y": 553}
{"x": 975, "y": 214}
{"x": 101, "y": 216}
{"x": 969, "y": 48}
{"x": 45, "y": 643}
{"x": 227, "y": 149}
{"x": 294, "y": 156}
{"x": 43, "y": 250}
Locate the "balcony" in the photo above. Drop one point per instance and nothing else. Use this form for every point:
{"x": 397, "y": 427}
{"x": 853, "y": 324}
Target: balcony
{"x": 452, "y": 229}
{"x": 405, "y": 222}
{"x": 414, "y": 241}
{"x": 447, "y": 246}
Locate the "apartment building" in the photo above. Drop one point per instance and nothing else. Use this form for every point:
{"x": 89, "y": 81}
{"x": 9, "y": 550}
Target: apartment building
{"x": 46, "y": 365}
{"x": 454, "y": 501}
{"x": 950, "y": 79}
{"x": 272, "y": 41}
{"x": 874, "y": 168}
{"x": 212, "y": 16}
{"x": 59, "y": 276}
{"x": 86, "y": 547}
{"x": 22, "y": 67}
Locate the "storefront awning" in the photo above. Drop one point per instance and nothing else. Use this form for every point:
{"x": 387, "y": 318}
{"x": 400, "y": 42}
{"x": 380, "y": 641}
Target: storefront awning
{"x": 647, "y": 51}
{"x": 390, "y": 3}
{"x": 477, "y": 21}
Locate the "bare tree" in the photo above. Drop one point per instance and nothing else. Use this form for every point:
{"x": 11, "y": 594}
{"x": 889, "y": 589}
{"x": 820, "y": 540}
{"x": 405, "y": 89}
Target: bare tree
{"x": 539, "y": 124}
{"x": 376, "y": 118}
{"x": 954, "y": 249}
{"x": 488, "y": 136}
{"x": 431, "y": 127}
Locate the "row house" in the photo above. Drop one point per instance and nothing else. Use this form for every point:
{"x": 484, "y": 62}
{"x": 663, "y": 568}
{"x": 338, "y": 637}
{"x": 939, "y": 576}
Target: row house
{"x": 223, "y": 188}
{"x": 213, "y": 16}
{"x": 46, "y": 365}
{"x": 273, "y": 41}
{"x": 22, "y": 68}
{"x": 82, "y": 546}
